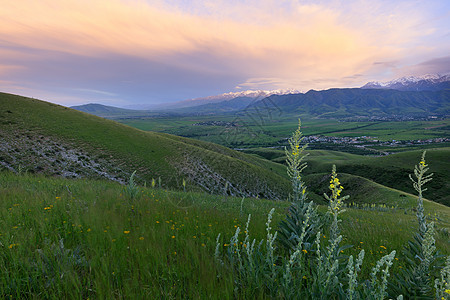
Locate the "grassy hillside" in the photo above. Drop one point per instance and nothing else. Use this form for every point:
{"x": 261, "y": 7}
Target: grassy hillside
{"x": 70, "y": 239}
{"x": 390, "y": 171}
{"x": 46, "y": 138}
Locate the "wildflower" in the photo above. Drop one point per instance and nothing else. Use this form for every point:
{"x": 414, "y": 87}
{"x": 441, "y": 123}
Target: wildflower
{"x": 141, "y": 238}
{"x": 89, "y": 230}
{"x": 304, "y": 277}
{"x": 173, "y": 236}
{"x": 203, "y": 245}
{"x": 126, "y": 231}
{"x": 113, "y": 240}
{"x": 447, "y": 291}
{"x": 305, "y": 251}
{"x": 383, "y": 247}
{"x": 58, "y": 198}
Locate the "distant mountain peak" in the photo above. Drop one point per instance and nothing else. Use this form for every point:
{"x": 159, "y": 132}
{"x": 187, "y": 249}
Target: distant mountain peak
{"x": 428, "y": 82}
{"x": 225, "y": 97}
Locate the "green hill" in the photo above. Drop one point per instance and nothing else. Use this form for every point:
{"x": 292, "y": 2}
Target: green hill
{"x": 391, "y": 171}
{"x": 41, "y": 137}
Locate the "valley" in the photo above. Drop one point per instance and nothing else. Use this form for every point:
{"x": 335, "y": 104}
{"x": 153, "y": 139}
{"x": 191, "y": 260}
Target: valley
{"x": 74, "y": 186}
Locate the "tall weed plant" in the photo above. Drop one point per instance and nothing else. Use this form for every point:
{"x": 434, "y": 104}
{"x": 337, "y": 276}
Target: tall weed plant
{"x": 295, "y": 262}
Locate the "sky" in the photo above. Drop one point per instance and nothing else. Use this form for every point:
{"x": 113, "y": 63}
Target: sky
{"x": 129, "y": 52}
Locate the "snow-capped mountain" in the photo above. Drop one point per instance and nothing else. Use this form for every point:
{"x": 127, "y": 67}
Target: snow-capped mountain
{"x": 429, "y": 82}
{"x": 225, "y": 97}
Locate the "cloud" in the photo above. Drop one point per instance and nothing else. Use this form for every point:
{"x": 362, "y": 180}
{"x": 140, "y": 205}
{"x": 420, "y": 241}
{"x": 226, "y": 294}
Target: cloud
{"x": 139, "y": 50}
{"x": 439, "y": 65}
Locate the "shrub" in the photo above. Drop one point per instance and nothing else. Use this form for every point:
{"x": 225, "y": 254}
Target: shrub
{"x": 306, "y": 270}
{"x": 131, "y": 190}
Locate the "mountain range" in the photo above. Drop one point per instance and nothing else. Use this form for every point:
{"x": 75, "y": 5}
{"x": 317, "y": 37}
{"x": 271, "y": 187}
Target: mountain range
{"x": 348, "y": 102}
{"x": 248, "y": 94}
{"x": 429, "y": 82}
{"x": 361, "y": 102}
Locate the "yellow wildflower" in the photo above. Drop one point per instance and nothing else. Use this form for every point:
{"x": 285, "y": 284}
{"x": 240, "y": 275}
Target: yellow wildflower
{"x": 126, "y": 231}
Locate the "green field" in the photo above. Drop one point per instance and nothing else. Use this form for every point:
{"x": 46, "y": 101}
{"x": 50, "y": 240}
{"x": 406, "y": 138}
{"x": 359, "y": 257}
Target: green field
{"x": 272, "y": 130}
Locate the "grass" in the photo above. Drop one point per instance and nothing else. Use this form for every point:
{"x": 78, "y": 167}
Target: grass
{"x": 117, "y": 248}
{"x": 129, "y": 250}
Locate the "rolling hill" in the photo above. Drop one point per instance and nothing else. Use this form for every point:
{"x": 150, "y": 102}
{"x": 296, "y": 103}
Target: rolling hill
{"x": 390, "y": 171}
{"x": 40, "y": 137}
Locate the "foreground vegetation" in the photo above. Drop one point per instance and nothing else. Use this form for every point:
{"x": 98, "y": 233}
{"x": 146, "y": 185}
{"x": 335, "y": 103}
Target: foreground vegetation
{"x": 80, "y": 238}
{"x": 65, "y": 238}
